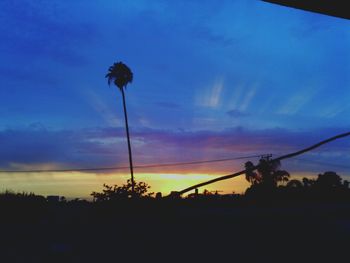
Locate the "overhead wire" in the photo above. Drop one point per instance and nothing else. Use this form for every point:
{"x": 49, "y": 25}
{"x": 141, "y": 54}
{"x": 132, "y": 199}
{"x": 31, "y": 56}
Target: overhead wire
{"x": 126, "y": 167}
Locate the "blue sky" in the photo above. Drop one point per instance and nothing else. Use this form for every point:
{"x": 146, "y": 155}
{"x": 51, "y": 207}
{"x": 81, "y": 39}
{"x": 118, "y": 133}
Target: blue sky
{"x": 211, "y": 79}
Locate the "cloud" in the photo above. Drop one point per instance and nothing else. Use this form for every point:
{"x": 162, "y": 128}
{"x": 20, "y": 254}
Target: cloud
{"x": 37, "y": 146}
{"x": 106, "y": 113}
{"x": 211, "y": 97}
{"x": 250, "y": 94}
{"x": 297, "y": 102}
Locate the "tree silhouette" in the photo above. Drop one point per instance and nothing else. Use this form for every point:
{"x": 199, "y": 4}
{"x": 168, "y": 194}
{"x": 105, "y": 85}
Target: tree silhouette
{"x": 251, "y": 176}
{"x": 268, "y": 173}
{"x": 287, "y": 156}
{"x": 120, "y": 74}
{"x": 115, "y": 192}
{"x": 266, "y": 179}
{"x": 308, "y": 182}
{"x": 294, "y": 184}
{"x": 329, "y": 180}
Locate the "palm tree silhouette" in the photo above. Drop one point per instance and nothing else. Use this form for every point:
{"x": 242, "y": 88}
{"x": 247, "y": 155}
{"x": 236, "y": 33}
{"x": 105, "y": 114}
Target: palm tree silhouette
{"x": 120, "y": 74}
{"x": 255, "y": 167}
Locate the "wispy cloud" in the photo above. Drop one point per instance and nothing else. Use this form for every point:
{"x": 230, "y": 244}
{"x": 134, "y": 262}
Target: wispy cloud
{"x": 211, "y": 97}
{"x": 248, "y": 97}
{"x": 234, "y": 102}
{"x": 297, "y": 101}
{"x": 102, "y": 109}
{"x": 331, "y": 111}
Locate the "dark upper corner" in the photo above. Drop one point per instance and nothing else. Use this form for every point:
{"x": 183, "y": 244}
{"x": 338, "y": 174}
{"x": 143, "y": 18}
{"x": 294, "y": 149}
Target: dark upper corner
{"x": 336, "y": 8}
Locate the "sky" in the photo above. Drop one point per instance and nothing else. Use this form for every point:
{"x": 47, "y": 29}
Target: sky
{"x": 212, "y": 80}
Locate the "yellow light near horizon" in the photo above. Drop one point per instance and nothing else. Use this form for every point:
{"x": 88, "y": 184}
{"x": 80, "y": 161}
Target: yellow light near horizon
{"x": 80, "y": 185}
{"x": 166, "y": 183}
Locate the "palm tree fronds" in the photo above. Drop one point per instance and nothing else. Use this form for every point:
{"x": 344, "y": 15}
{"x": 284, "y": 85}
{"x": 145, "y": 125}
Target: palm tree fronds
{"x": 120, "y": 74}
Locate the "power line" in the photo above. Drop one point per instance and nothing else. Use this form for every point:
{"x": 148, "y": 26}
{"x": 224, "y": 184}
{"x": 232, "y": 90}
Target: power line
{"x": 126, "y": 167}
{"x": 283, "y": 157}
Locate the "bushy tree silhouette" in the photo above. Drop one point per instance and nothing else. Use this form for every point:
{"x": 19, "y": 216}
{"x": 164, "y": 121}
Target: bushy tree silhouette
{"x": 326, "y": 181}
{"x": 308, "y": 182}
{"x": 268, "y": 173}
{"x": 115, "y": 192}
{"x": 329, "y": 180}
{"x": 266, "y": 179}
{"x": 251, "y": 176}
{"x": 294, "y": 184}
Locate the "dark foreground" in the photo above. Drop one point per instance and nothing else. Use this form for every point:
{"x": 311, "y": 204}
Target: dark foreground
{"x": 167, "y": 230}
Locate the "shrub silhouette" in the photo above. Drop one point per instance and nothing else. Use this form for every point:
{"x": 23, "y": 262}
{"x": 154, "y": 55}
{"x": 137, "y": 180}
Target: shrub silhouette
{"x": 115, "y": 192}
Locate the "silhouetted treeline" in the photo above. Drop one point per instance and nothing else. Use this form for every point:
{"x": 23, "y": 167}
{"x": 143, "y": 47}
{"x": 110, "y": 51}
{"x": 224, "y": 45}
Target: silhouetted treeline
{"x": 204, "y": 226}
{"x": 272, "y": 183}
{"x": 274, "y": 215}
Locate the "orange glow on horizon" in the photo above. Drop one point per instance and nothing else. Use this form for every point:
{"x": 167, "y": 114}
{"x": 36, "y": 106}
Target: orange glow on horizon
{"x": 81, "y": 184}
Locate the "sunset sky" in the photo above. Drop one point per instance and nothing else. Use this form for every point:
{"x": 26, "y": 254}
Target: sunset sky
{"x": 212, "y": 80}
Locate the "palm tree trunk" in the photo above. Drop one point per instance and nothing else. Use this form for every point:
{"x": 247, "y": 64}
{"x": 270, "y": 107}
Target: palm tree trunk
{"x": 129, "y": 145}
{"x": 290, "y": 155}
